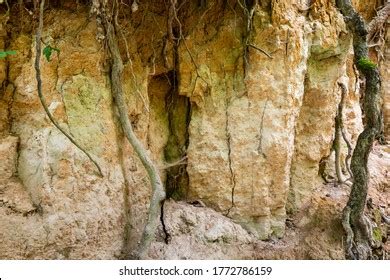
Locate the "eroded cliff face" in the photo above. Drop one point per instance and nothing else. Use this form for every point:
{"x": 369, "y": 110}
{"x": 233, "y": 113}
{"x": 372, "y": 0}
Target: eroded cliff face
{"x": 239, "y": 114}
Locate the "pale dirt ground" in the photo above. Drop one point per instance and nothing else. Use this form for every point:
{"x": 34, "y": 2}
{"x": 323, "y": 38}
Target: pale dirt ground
{"x": 313, "y": 233}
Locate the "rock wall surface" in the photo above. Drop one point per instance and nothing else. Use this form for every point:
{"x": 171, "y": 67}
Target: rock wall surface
{"x": 385, "y": 71}
{"x": 238, "y": 114}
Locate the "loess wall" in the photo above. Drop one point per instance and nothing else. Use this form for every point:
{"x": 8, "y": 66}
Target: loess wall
{"x": 238, "y": 115}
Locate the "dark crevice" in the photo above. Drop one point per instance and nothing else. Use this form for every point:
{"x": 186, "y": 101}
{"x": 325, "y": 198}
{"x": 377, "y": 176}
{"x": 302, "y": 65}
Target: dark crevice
{"x": 260, "y": 145}
{"x": 178, "y": 109}
{"x": 250, "y": 3}
{"x": 172, "y": 112}
{"x": 167, "y": 236}
{"x": 232, "y": 175}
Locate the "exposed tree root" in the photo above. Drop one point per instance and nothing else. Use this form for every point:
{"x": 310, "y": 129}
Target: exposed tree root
{"x": 105, "y": 15}
{"x": 158, "y": 192}
{"x": 347, "y": 228}
{"x": 342, "y": 130}
{"x": 260, "y": 50}
{"x": 359, "y": 240}
{"x": 359, "y": 243}
{"x": 376, "y": 28}
{"x": 249, "y": 10}
{"x": 385, "y": 218}
{"x": 349, "y": 155}
{"x": 40, "y": 94}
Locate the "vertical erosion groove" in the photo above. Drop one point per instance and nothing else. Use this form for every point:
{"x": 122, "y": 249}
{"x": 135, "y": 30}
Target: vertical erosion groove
{"x": 337, "y": 144}
{"x": 158, "y": 193}
{"x": 358, "y": 237}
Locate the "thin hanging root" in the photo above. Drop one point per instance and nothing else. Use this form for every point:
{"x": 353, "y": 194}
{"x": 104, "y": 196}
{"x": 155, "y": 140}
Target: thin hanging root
{"x": 172, "y": 17}
{"x": 182, "y": 161}
{"x": 40, "y": 94}
{"x": 348, "y": 230}
{"x": 132, "y": 69}
{"x": 260, "y": 50}
{"x": 158, "y": 192}
{"x": 349, "y": 155}
{"x": 339, "y": 131}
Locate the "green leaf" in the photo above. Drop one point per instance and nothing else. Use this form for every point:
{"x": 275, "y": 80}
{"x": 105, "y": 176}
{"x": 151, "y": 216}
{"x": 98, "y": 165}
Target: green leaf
{"x": 48, "y": 51}
{"x": 10, "y": 52}
{"x": 4, "y": 54}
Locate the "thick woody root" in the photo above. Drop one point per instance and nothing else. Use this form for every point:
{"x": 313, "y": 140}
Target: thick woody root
{"x": 360, "y": 242}
{"x": 349, "y": 232}
{"x": 158, "y": 192}
{"x": 359, "y": 239}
